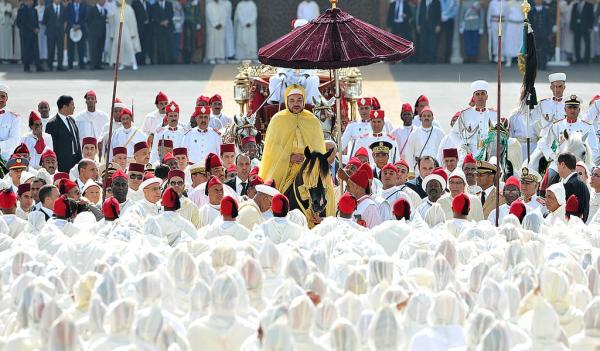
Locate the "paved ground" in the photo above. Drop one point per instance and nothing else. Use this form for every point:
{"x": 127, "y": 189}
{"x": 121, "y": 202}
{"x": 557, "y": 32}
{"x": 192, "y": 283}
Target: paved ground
{"x": 447, "y": 86}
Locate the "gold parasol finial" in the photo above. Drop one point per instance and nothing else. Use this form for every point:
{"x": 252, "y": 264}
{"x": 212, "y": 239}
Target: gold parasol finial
{"x": 333, "y": 3}
{"x": 525, "y": 8}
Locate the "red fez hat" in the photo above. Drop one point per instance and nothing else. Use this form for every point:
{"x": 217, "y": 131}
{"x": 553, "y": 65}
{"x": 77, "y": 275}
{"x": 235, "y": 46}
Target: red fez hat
{"x": 374, "y": 114}
{"x": 136, "y": 167}
{"x": 170, "y": 199}
{"x": 215, "y": 98}
{"x": 401, "y": 208}
{"x": 119, "y": 150}
{"x": 518, "y": 209}
{"x": 161, "y": 97}
{"x": 362, "y": 151}
{"x": 21, "y": 149}
{"x": 453, "y": 152}
{"x": 203, "y": 98}
{"x": 375, "y": 105}
{"x": 423, "y": 98}
{"x": 390, "y": 167}
{"x": 89, "y": 93}
{"x": 366, "y": 101}
{"x": 168, "y": 157}
{"x": 461, "y": 204}
{"x": 361, "y": 178}
{"x": 8, "y": 199}
{"x": 354, "y": 161}
{"x": 232, "y": 168}
{"x": 254, "y": 171}
{"x": 367, "y": 168}
{"x": 440, "y": 171}
{"x": 402, "y": 163}
{"x": 201, "y": 110}
{"x": 140, "y": 146}
{"x": 120, "y": 173}
{"x": 111, "y": 209}
{"x": 227, "y": 148}
{"x": 48, "y": 153}
{"x": 469, "y": 159}
{"x": 89, "y": 141}
{"x": 229, "y": 207}
{"x": 347, "y": 204}
{"x": 165, "y": 143}
{"x": 426, "y": 109}
{"x": 256, "y": 181}
{"x": 60, "y": 175}
{"x": 126, "y": 111}
{"x": 572, "y": 205}
{"x": 212, "y": 161}
{"x": 61, "y": 206}
{"x": 180, "y": 151}
{"x": 406, "y": 107}
{"x": 65, "y": 185}
{"x": 280, "y": 205}
{"x": 23, "y": 188}
{"x": 176, "y": 173}
{"x": 33, "y": 116}
{"x": 172, "y": 107}
{"x": 512, "y": 180}
{"x": 248, "y": 139}
{"x": 118, "y": 101}
{"x": 211, "y": 182}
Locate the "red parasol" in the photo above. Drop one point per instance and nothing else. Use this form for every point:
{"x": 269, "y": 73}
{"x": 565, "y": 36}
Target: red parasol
{"x": 334, "y": 40}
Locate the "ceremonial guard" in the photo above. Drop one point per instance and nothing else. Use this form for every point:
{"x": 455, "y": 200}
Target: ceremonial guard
{"x": 36, "y": 141}
{"x": 210, "y": 211}
{"x": 401, "y": 134}
{"x": 390, "y": 192}
{"x": 380, "y": 151}
{"x": 377, "y": 121}
{"x": 357, "y": 128}
{"x": 154, "y": 119}
{"x": 202, "y": 140}
{"x": 552, "y": 109}
{"x": 550, "y": 142}
{"x": 424, "y": 140}
{"x": 91, "y": 122}
{"x": 474, "y": 123}
{"x": 486, "y": 172}
{"x": 367, "y": 211}
{"x": 172, "y": 131}
{"x": 128, "y": 135}
{"x": 530, "y": 181}
{"x": 9, "y": 126}
{"x": 216, "y": 111}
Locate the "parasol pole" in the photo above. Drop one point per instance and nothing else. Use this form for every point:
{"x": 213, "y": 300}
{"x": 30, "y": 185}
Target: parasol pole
{"x": 114, "y": 93}
{"x": 338, "y": 125}
{"x": 497, "y": 181}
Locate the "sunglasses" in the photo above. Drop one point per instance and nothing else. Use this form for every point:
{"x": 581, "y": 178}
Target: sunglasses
{"x": 198, "y": 173}
{"x": 136, "y": 176}
{"x": 176, "y": 183}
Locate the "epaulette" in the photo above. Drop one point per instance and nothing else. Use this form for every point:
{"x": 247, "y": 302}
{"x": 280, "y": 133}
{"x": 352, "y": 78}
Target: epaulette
{"x": 217, "y": 131}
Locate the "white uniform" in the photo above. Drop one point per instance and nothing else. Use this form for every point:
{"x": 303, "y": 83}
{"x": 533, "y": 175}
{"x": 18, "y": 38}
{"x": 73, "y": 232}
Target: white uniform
{"x": 200, "y": 143}
{"x": 288, "y": 76}
{"x": 175, "y": 134}
{"x": 91, "y": 124}
{"x": 223, "y": 118}
{"x": 504, "y": 211}
{"x": 9, "y": 133}
{"x": 520, "y": 129}
{"x": 401, "y": 135}
{"x": 143, "y": 209}
{"x": 593, "y": 115}
{"x": 152, "y": 122}
{"x": 226, "y": 228}
{"x": 308, "y": 10}
{"x": 386, "y": 201}
{"x": 353, "y": 131}
{"x": 536, "y": 202}
{"x": 366, "y": 140}
{"x": 209, "y": 214}
{"x": 127, "y": 138}
{"x": 472, "y": 128}
{"x": 555, "y": 135}
{"x": 423, "y": 142}
{"x": 30, "y": 140}
{"x": 547, "y": 112}
{"x": 175, "y": 228}
{"x": 368, "y": 210}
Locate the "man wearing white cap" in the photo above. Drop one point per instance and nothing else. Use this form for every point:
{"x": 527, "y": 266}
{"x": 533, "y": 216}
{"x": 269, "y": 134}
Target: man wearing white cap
{"x": 288, "y": 76}
{"x": 257, "y": 210}
{"x": 434, "y": 185}
{"x": 457, "y": 184}
{"x": 552, "y": 109}
{"x": 555, "y": 203}
{"x": 474, "y": 123}
{"x": 530, "y": 182}
{"x": 149, "y": 206}
{"x": 9, "y": 126}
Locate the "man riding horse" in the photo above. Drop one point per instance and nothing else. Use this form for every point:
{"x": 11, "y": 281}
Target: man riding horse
{"x": 290, "y": 131}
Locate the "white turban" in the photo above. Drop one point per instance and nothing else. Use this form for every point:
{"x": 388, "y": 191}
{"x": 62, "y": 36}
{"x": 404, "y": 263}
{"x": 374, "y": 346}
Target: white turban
{"x": 558, "y": 190}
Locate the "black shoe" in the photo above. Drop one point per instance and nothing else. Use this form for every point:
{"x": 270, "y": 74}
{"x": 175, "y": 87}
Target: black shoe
{"x": 61, "y": 69}
{"x": 27, "y": 69}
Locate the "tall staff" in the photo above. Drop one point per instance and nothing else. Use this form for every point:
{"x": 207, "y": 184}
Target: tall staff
{"x": 498, "y": 116}
{"x": 114, "y": 93}
{"x": 528, "y": 68}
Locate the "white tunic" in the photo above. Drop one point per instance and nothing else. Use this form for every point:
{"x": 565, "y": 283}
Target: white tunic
{"x": 209, "y": 214}
{"x": 308, "y": 10}
{"x": 386, "y": 201}
{"x": 401, "y": 134}
{"x": 593, "y": 115}
{"x": 152, "y": 122}
{"x": 200, "y": 143}
{"x": 175, "y": 134}
{"x": 368, "y": 210}
{"x": 175, "y": 228}
{"x": 472, "y": 128}
{"x": 91, "y": 124}
{"x": 227, "y": 228}
{"x": 520, "y": 128}
{"x": 353, "y": 131}
{"x": 423, "y": 142}
{"x": 142, "y": 209}
{"x": 538, "y": 203}
{"x": 6, "y": 31}
{"x": 246, "y": 15}
{"x": 9, "y": 133}
{"x": 280, "y": 230}
{"x": 512, "y": 39}
{"x": 548, "y": 111}
{"x": 366, "y": 140}
{"x": 35, "y": 157}
{"x": 216, "y": 14}
{"x": 223, "y": 118}
{"x": 127, "y": 138}
{"x": 555, "y": 135}
{"x": 130, "y": 43}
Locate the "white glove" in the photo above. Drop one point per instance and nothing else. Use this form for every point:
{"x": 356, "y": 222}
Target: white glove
{"x": 461, "y": 30}
{"x": 554, "y": 29}
{"x": 481, "y": 32}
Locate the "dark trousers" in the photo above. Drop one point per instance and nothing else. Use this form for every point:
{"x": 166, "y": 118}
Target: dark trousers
{"x": 541, "y": 45}
{"x": 585, "y": 35}
{"x": 145, "y": 33}
{"x": 163, "y": 46}
{"x": 189, "y": 36}
{"x": 80, "y": 45}
{"x": 96, "y": 47}
{"x": 448, "y": 33}
{"x": 471, "y": 42}
{"x": 30, "y": 52}
{"x": 55, "y": 46}
{"x": 427, "y": 44}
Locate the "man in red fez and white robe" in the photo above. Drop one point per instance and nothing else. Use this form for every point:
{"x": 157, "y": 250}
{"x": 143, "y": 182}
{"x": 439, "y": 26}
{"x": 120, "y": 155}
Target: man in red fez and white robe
{"x": 8, "y": 206}
{"x": 171, "y": 225}
{"x": 36, "y": 141}
{"x": 228, "y": 225}
{"x": 154, "y": 119}
{"x": 367, "y": 211}
{"x": 128, "y": 135}
{"x": 91, "y": 121}
{"x": 424, "y": 140}
{"x": 173, "y": 131}
{"x": 202, "y": 140}
{"x": 211, "y": 211}
{"x": 377, "y": 133}
{"x": 216, "y": 111}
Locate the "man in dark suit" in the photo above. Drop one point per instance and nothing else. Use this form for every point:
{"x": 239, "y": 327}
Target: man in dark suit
{"x": 541, "y": 23}
{"x": 65, "y": 134}
{"x": 429, "y": 21}
{"x": 54, "y": 19}
{"x": 142, "y": 16}
{"x": 582, "y": 23}
{"x": 161, "y": 17}
{"x": 573, "y": 185}
{"x": 241, "y": 181}
{"x": 426, "y": 164}
{"x": 27, "y": 21}
{"x": 96, "y": 33}
{"x": 76, "y": 19}
{"x": 399, "y": 18}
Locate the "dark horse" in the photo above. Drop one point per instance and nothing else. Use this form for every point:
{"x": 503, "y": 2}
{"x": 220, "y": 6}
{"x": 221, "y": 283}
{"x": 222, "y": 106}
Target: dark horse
{"x": 309, "y": 191}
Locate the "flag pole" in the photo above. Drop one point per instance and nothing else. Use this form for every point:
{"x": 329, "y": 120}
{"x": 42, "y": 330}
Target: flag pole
{"x": 497, "y": 181}
{"x": 114, "y": 93}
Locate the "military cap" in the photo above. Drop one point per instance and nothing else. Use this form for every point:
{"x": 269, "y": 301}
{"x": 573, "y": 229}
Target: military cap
{"x": 530, "y": 176}
{"x": 573, "y": 100}
{"x": 381, "y": 147}
{"x": 485, "y": 167}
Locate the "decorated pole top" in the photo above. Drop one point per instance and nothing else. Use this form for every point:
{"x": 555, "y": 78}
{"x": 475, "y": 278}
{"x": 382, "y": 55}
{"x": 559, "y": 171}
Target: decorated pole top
{"x": 525, "y": 8}
{"x": 333, "y": 3}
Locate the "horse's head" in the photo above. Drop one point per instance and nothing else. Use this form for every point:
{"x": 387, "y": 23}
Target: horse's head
{"x": 323, "y": 108}
{"x": 575, "y": 143}
{"x": 245, "y": 126}
{"x": 313, "y": 171}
